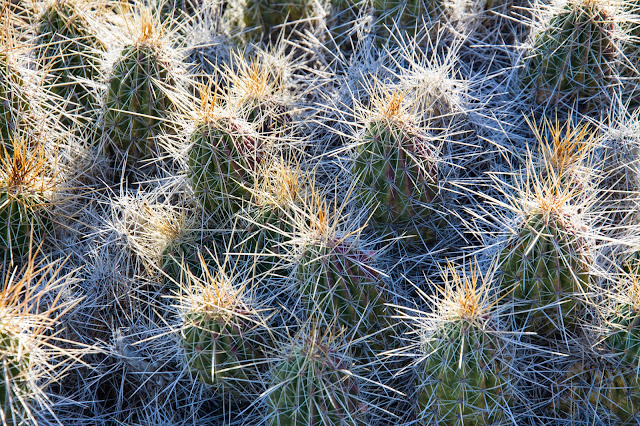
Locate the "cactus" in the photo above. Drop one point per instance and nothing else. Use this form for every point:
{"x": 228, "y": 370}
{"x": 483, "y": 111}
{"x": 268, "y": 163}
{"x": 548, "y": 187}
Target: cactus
{"x": 623, "y": 322}
{"x": 600, "y": 390}
{"x": 224, "y": 337}
{"x": 574, "y": 58}
{"x": 222, "y": 162}
{"x": 13, "y": 102}
{"x": 24, "y": 217}
{"x": 341, "y": 288}
{"x": 137, "y": 106}
{"x": 181, "y": 258}
{"x": 546, "y": 266}
{"x": 464, "y": 378}
{"x": 68, "y": 49}
{"x": 311, "y": 385}
{"x": 396, "y": 172}
{"x": 405, "y": 16}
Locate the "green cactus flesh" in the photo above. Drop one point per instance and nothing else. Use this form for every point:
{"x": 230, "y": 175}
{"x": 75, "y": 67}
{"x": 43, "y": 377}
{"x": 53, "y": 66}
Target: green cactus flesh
{"x": 408, "y": 16}
{"x": 340, "y": 288}
{"x": 603, "y": 392}
{"x": 573, "y": 59}
{"x": 137, "y": 107}
{"x": 224, "y": 348}
{"x": 397, "y": 176}
{"x": 13, "y": 103}
{"x": 68, "y": 50}
{"x": 465, "y": 378}
{"x": 546, "y": 269}
{"x": 624, "y": 338}
{"x": 222, "y": 161}
{"x": 182, "y": 256}
{"x": 313, "y": 389}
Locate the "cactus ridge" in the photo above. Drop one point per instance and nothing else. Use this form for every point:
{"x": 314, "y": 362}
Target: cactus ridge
{"x": 13, "y": 102}
{"x": 312, "y": 386}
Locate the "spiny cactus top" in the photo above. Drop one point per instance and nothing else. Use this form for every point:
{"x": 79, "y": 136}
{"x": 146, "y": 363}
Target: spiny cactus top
{"x": 24, "y": 217}
{"x": 224, "y": 337}
{"x": 623, "y": 323}
{"x": 137, "y": 107}
{"x": 546, "y": 267}
{"x": 574, "y": 57}
{"x": 13, "y": 102}
{"x": 465, "y": 376}
{"x": 311, "y": 386}
{"x": 222, "y": 162}
{"x": 396, "y": 170}
{"x": 68, "y": 50}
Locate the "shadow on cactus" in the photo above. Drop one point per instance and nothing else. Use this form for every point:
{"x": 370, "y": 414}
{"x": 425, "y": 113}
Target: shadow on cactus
{"x": 69, "y": 51}
{"x": 14, "y": 105}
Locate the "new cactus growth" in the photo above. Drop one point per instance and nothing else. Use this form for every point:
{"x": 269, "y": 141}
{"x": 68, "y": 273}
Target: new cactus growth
{"x": 545, "y": 266}
{"x": 223, "y": 336}
{"x": 138, "y": 108}
{"x": 68, "y": 50}
{"x": 272, "y": 224}
{"x": 396, "y": 170}
{"x": 464, "y": 378}
{"x": 312, "y": 385}
{"x": 574, "y": 58}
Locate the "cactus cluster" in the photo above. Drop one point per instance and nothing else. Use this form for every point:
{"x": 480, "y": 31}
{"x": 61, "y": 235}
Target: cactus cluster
{"x": 282, "y": 233}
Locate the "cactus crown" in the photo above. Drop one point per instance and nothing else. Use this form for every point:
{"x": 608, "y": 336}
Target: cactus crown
{"x": 25, "y": 169}
{"x": 389, "y": 106}
{"x": 280, "y": 184}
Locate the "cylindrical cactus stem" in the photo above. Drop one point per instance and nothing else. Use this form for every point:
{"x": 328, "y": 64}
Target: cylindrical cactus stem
{"x": 13, "y": 101}
{"x": 223, "y": 160}
{"x": 623, "y": 322}
{"x": 405, "y": 16}
{"x": 68, "y": 50}
{"x": 137, "y": 107}
{"x": 341, "y": 288}
{"x": 223, "y": 336}
{"x": 396, "y": 172}
{"x": 465, "y": 375}
{"x": 574, "y": 57}
{"x": 545, "y": 266}
{"x": 311, "y": 385}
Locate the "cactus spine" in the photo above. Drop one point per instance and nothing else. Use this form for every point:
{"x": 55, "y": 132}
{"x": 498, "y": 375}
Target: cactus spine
{"x": 396, "y": 171}
{"x": 310, "y": 385}
{"x": 574, "y": 58}
{"x": 137, "y": 107}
